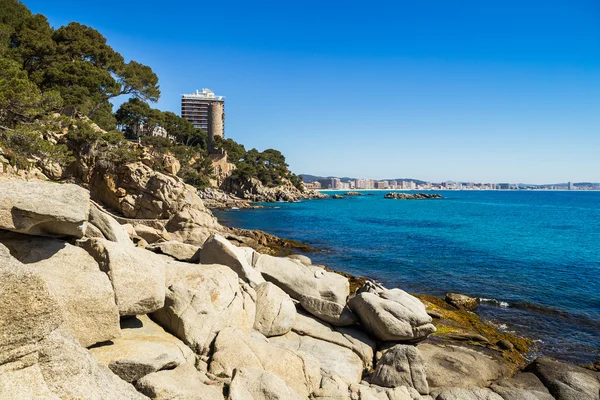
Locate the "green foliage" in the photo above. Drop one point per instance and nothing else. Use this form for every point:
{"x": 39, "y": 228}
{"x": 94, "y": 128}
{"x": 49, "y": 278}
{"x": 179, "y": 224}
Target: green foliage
{"x": 105, "y": 118}
{"x": 20, "y": 99}
{"x": 158, "y": 143}
{"x": 74, "y": 60}
{"x": 25, "y": 146}
{"x": 235, "y": 151}
{"x": 107, "y": 150}
{"x": 131, "y": 115}
{"x": 268, "y": 166}
{"x": 137, "y": 118}
{"x": 198, "y": 174}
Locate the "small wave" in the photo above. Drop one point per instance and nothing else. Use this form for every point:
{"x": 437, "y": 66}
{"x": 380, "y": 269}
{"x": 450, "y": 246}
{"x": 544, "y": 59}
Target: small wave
{"x": 495, "y": 302}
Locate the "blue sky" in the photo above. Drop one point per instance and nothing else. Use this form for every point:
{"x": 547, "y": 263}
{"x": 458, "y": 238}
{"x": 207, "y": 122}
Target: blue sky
{"x": 468, "y": 90}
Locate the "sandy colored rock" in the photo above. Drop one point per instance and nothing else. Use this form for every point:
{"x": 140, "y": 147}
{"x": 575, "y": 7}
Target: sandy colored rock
{"x": 179, "y": 251}
{"x": 339, "y": 360}
{"x": 137, "y": 191}
{"x": 275, "y": 311}
{"x": 201, "y": 300}
{"x": 391, "y": 314}
{"x": 36, "y": 357}
{"x": 109, "y": 226}
{"x": 564, "y": 381}
{"x": 218, "y": 250}
{"x": 259, "y": 385}
{"x": 233, "y": 350}
{"x": 22, "y": 381}
{"x": 150, "y": 234}
{"x": 137, "y": 275}
{"x": 84, "y": 294}
{"x": 183, "y": 382}
{"x": 143, "y": 348}
{"x": 71, "y": 372}
{"x": 192, "y": 226}
{"x": 171, "y": 164}
{"x": 302, "y": 258}
{"x": 43, "y": 208}
{"x": 342, "y": 351}
{"x": 321, "y": 293}
{"x": 461, "y": 301}
{"x": 522, "y": 386}
{"x": 466, "y": 394}
{"x": 457, "y": 366}
{"x": 92, "y": 231}
{"x": 401, "y": 365}
{"x": 375, "y": 393}
{"x": 29, "y": 312}
{"x": 348, "y": 337}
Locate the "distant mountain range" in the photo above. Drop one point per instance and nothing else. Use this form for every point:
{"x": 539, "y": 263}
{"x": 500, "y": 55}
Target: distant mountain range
{"x": 307, "y": 178}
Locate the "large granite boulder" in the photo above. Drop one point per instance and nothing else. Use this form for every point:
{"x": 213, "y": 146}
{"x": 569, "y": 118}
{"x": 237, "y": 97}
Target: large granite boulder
{"x": 43, "y": 208}
{"x": 336, "y": 359}
{"x": 275, "y": 311}
{"x": 137, "y": 275}
{"x": 349, "y": 337}
{"x": 137, "y": 191}
{"x": 193, "y": 226}
{"x": 109, "y": 226}
{"x": 234, "y": 350}
{"x": 465, "y": 394}
{"x": 151, "y": 234}
{"x": 201, "y": 300}
{"x": 143, "y": 348}
{"x": 564, "y": 381}
{"x": 457, "y": 366}
{"x": 345, "y": 353}
{"x": 181, "y": 383}
{"x": 259, "y": 385}
{"x": 401, "y": 365}
{"x": 84, "y": 294}
{"x": 321, "y": 293}
{"x": 218, "y": 250}
{"x": 71, "y": 372}
{"x": 38, "y": 360}
{"x": 365, "y": 392}
{"x": 391, "y": 314}
{"x": 179, "y": 251}
{"x": 522, "y": 386}
{"x": 29, "y": 312}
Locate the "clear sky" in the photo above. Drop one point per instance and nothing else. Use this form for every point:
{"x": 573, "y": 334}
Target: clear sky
{"x": 438, "y": 90}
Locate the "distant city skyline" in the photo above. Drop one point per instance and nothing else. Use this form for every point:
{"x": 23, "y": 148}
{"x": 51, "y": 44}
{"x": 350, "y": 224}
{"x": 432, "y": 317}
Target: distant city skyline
{"x": 476, "y": 91}
{"x": 330, "y": 182}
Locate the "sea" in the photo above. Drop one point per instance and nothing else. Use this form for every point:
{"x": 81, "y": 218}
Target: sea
{"x": 532, "y": 258}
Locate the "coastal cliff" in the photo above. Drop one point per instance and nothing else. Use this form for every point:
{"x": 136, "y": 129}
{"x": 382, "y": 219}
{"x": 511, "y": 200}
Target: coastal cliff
{"x": 139, "y": 293}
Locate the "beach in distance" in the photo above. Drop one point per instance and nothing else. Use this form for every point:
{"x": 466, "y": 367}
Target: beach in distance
{"x": 531, "y": 257}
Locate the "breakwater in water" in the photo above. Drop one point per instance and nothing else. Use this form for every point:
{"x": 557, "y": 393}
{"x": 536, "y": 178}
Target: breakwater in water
{"x": 531, "y": 257}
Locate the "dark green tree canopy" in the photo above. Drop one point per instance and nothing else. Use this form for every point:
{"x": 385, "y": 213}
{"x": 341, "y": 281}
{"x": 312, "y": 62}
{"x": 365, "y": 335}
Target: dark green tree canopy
{"x": 74, "y": 60}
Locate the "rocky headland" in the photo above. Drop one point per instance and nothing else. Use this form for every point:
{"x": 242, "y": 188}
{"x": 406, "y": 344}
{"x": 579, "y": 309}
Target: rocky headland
{"x": 129, "y": 288}
{"x": 412, "y": 196}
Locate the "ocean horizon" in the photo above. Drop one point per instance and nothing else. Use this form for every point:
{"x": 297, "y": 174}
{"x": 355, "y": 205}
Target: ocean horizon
{"x": 532, "y": 258}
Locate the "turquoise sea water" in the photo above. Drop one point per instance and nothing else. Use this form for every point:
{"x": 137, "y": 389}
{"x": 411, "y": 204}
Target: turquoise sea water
{"x": 533, "y": 257}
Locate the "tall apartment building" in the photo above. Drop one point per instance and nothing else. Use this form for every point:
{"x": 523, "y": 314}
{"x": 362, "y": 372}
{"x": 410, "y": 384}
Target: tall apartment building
{"x": 331, "y": 183}
{"x": 205, "y": 111}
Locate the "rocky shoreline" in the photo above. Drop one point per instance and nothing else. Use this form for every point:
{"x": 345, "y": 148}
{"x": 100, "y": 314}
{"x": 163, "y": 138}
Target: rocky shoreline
{"x": 412, "y": 196}
{"x": 141, "y": 293}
